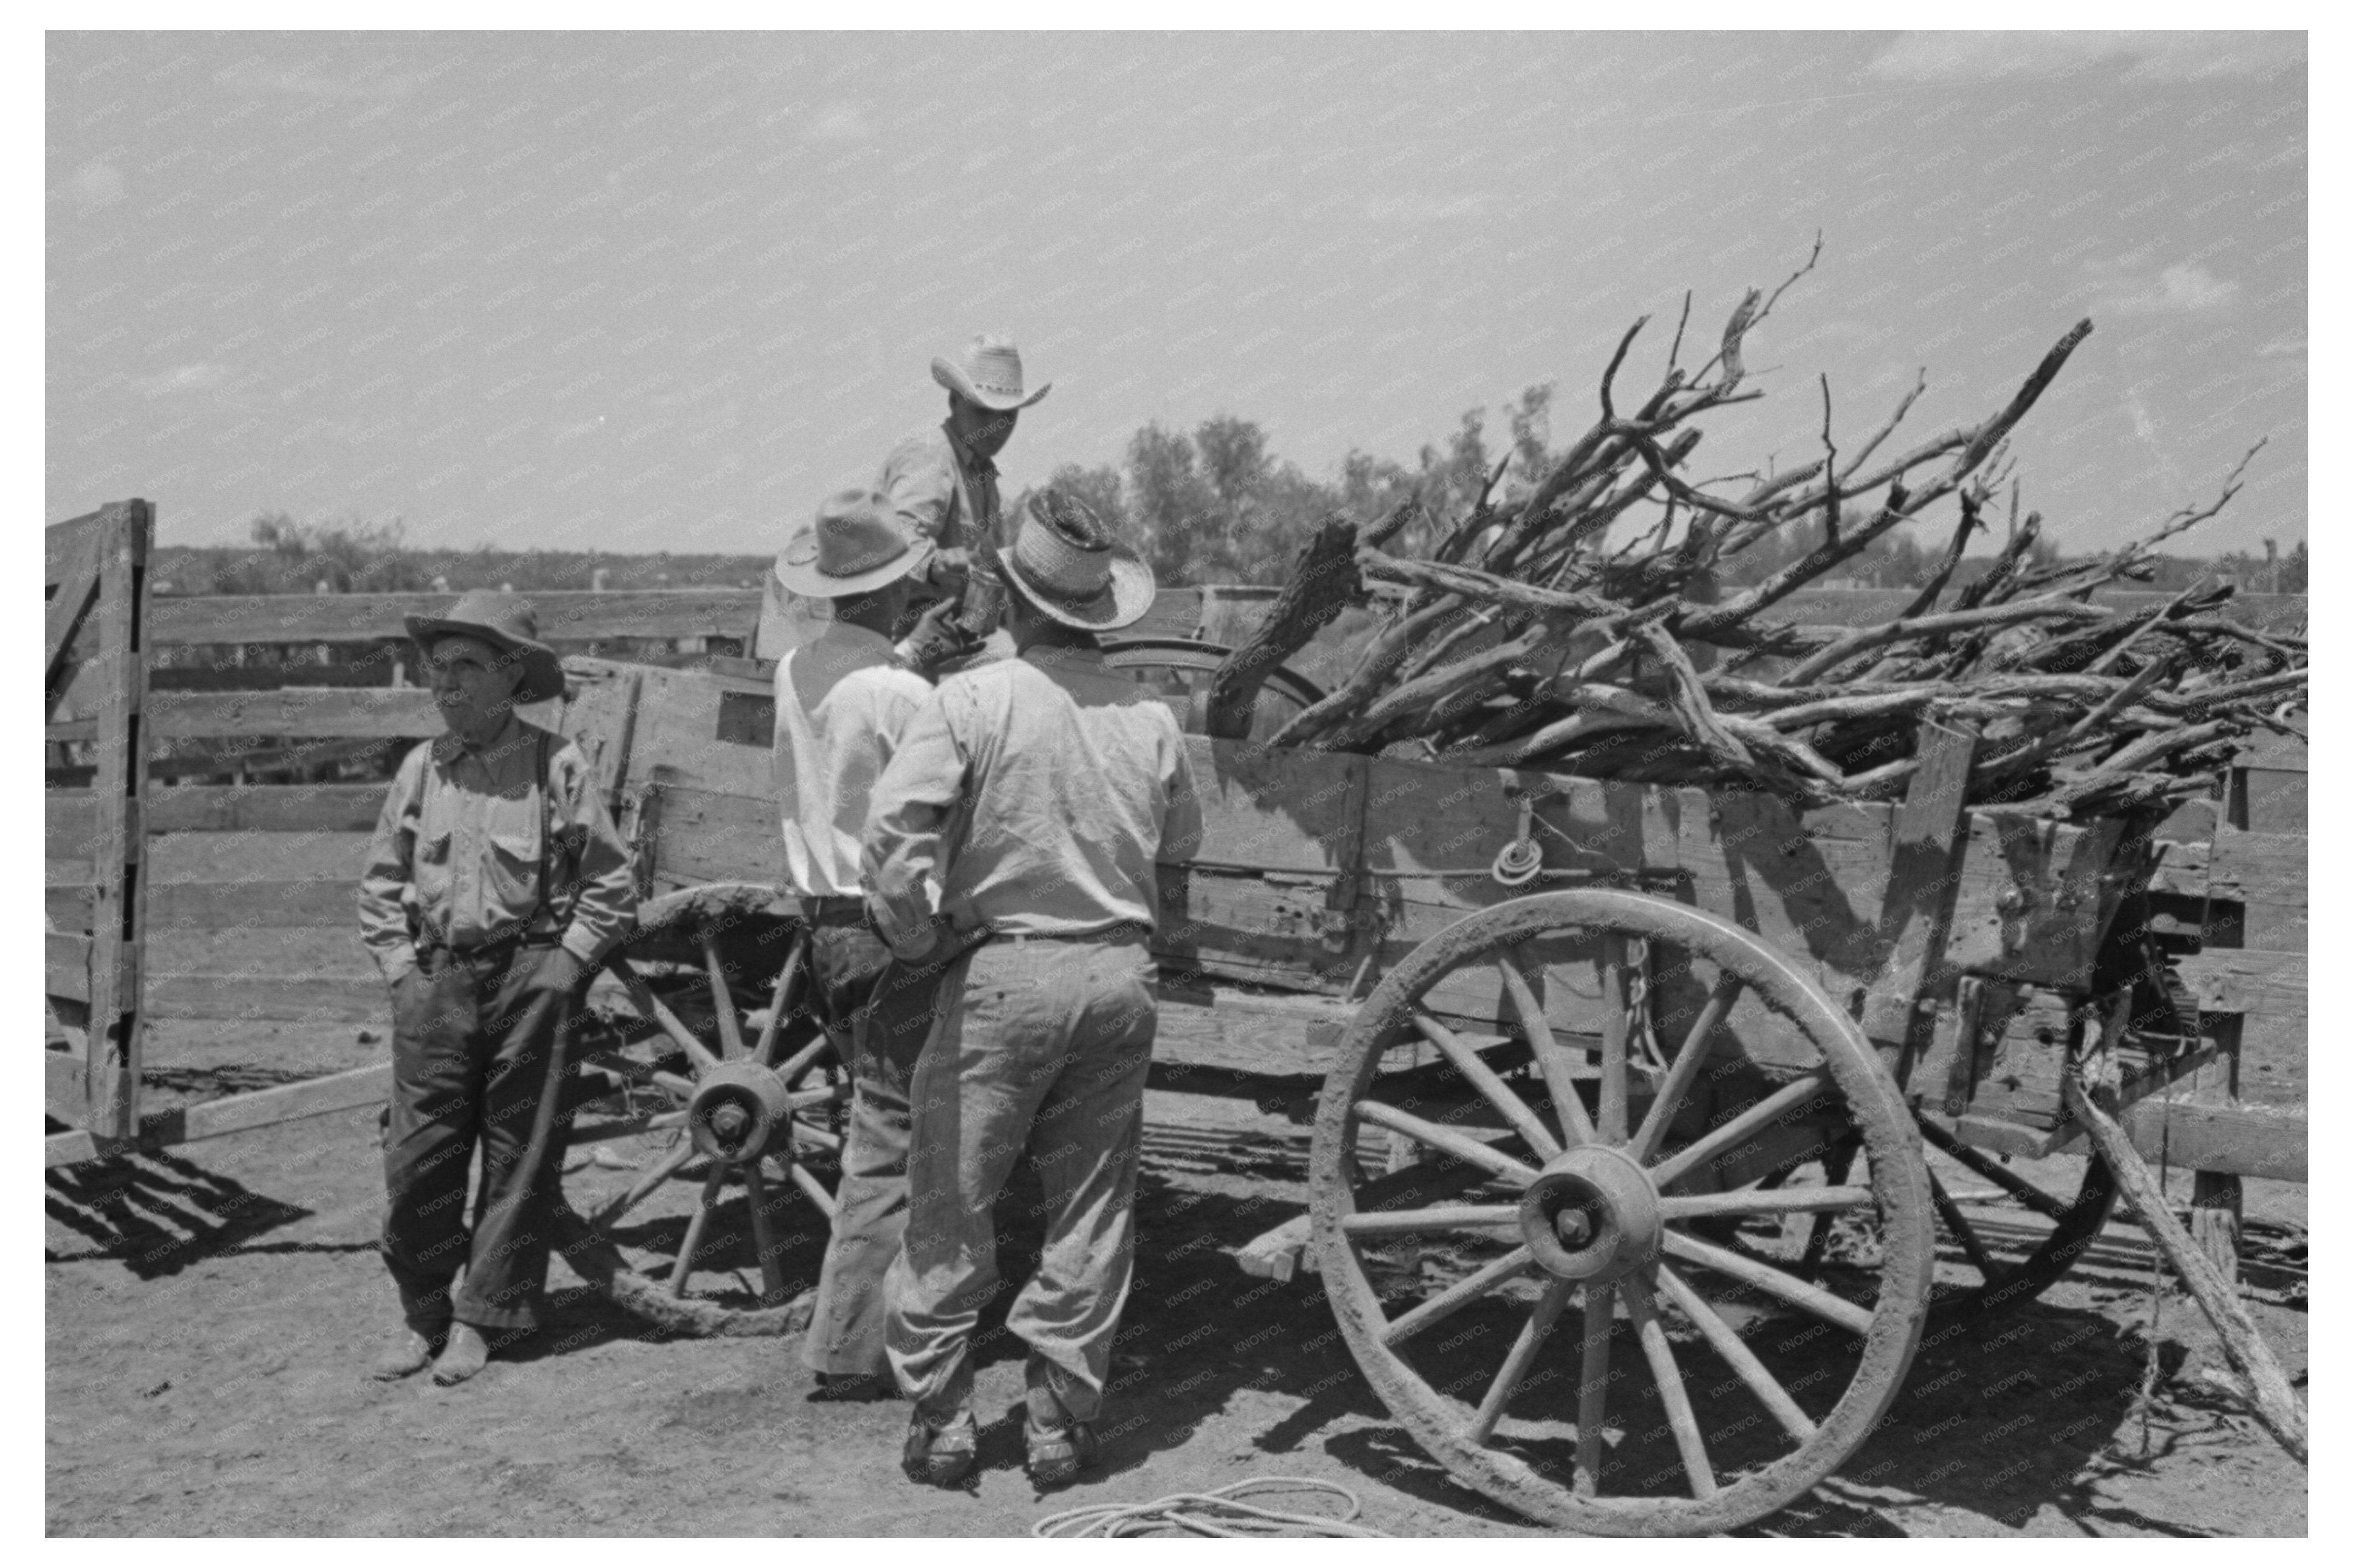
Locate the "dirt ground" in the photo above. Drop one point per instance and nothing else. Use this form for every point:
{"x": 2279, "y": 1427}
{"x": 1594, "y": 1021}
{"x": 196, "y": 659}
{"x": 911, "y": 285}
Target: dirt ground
{"x": 211, "y": 1310}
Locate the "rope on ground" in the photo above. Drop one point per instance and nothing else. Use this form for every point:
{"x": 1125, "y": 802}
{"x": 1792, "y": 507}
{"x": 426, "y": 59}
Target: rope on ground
{"x": 1218, "y": 1513}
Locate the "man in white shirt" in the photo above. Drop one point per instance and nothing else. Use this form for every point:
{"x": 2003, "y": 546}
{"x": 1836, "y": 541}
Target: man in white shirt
{"x": 842, "y": 702}
{"x": 1024, "y": 811}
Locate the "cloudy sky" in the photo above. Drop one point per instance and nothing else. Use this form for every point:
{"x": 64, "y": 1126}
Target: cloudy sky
{"x": 664, "y": 291}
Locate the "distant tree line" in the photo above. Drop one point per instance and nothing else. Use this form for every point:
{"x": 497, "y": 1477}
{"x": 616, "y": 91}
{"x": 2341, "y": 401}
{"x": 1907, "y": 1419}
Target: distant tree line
{"x": 1212, "y": 504}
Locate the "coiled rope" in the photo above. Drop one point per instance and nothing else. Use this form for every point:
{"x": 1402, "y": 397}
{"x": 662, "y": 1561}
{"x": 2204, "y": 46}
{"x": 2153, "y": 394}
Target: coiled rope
{"x": 1218, "y": 1512}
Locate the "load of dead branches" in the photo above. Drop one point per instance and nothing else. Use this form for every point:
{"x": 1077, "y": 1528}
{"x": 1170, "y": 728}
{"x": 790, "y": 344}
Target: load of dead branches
{"x": 1533, "y": 634}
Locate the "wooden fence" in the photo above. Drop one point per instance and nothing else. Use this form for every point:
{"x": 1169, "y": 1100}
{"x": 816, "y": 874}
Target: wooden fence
{"x": 250, "y": 886}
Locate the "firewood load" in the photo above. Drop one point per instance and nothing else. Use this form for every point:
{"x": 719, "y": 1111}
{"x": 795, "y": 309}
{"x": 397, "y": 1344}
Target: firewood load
{"x": 1535, "y": 634}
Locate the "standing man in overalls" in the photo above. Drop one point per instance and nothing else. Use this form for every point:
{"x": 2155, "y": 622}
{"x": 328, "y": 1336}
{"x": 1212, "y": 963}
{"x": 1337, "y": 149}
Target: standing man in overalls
{"x": 494, "y": 885}
{"x": 941, "y": 482}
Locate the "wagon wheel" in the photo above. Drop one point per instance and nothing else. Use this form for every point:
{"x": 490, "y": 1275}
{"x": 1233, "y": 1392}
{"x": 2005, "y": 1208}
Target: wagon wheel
{"x": 1741, "y": 1377}
{"x": 1181, "y": 669}
{"x": 689, "y": 1183}
{"x": 2016, "y": 1240}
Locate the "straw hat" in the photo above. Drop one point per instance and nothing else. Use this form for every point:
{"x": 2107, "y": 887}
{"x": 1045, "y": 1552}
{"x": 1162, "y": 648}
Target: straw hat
{"x": 1065, "y": 562}
{"x": 988, "y": 372}
{"x": 506, "y": 623}
{"x": 855, "y": 546}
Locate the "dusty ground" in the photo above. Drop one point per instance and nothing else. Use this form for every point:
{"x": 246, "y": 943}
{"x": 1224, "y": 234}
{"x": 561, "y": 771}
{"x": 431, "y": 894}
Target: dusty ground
{"x": 210, "y": 1308}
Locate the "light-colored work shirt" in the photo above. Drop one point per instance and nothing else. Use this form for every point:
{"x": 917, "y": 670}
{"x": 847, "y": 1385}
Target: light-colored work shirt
{"x": 1030, "y": 796}
{"x": 841, "y": 703}
{"x": 461, "y": 841}
{"x": 943, "y": 490}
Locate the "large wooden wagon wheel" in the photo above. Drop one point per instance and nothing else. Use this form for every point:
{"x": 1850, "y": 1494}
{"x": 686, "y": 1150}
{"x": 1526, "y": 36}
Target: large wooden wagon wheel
{"x": 689, "y": 1179}
{"x": 1619, "y": 1340}
{"x": 1181, "y": 670}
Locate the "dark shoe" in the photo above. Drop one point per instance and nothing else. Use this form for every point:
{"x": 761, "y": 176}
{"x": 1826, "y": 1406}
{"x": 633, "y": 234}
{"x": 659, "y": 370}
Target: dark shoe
{"x": 404, "y": 1354}
{"x": 853, "y": 1387}
{"x": 462, "y": 1357}
{"x": 942, "y": 1455}
{"x": 1057, "y": 1454}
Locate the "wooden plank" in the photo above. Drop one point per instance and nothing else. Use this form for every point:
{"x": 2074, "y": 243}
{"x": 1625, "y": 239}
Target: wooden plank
{"x": 1269, "y": 810}
{"x": 2273, "y": 800}
{"x": 2032, "y": 899}
{"x": 1213, "y": 1028}
{"x": 72, "y": 590}
{"x": 114, "y": 637}
{"x": 65, "y": 1087}
{"x": 393, "y": 713}
{"x": 2241, "y": 1141}
{"x": 70, "y": 906}
{"x": 599, "y": 717}
{"x": 2267, "y": 874}
{"x": 2252, "y": 981}
{"x": 711, "y": 835}
{"x": 563, "y": 617}
{"x": 675, "y": 737}
{"x": 302, "y": 998}
{"x": 308, "y": 905}
{"x": 1916, "y": 908}
{"x": 213, "y": 860}
{"x": 66, "y": 969}
{"x": 70, "y": 814}
{"x": 352, "y": 1091}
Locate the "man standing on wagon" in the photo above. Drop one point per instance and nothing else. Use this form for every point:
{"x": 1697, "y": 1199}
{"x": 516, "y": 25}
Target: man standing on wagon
{"x": 940, "y": 483}
{"x": 495, "y": 883}
{"x": 1026, "y": 808}
{"x": 842, "y": 702}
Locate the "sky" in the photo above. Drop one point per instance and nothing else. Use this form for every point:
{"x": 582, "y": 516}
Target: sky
{"x": 666, "y": 291}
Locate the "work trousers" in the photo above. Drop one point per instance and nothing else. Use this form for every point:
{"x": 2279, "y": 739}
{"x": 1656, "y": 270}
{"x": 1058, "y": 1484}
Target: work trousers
{"x": 473, "y": 1056}
{"x": 883, "y": 1009}
{"x": 1042, "y": 1044}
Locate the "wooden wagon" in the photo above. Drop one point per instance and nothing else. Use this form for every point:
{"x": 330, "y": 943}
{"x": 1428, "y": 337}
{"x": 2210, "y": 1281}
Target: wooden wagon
{"x": 1619, "y": 1192}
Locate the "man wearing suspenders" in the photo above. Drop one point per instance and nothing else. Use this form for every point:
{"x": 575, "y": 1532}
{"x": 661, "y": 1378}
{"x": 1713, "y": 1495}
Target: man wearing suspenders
{"x": 495, "y": 883}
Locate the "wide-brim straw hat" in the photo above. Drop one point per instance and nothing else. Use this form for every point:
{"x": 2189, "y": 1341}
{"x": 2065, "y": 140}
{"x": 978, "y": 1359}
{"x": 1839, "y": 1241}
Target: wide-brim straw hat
{"x": 504, "y": 621}
{"x": 987, "y": 372}
{"x": 1064, "y": 560}
{"x": 856, "y": 545}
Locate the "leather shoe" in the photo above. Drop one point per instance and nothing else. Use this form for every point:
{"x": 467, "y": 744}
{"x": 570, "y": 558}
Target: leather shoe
{"x": 406, "y": 1352}
{"x": 941, "y": 1455}
{"x": 464, "y": 1355}
{"x": 1055, "y": 1455}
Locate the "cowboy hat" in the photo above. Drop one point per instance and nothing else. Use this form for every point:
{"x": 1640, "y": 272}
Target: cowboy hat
{"x": 507, "y": 624}
{"x": 855, "y": 546}
{"x": 988, "y": 372}
{"x": 1065, "y": 563}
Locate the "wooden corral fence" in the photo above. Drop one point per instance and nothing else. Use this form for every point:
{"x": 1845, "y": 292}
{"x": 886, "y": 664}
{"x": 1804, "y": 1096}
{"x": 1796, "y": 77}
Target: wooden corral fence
{"x": 250, "y": 885}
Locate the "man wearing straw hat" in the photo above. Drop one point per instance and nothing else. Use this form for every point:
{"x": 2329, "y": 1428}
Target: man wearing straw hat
{"x": 941, "y": 482}
{"x": 494, "y": 884}
{"x": 1018, "y": 826}
{"x": 842, "y": 701}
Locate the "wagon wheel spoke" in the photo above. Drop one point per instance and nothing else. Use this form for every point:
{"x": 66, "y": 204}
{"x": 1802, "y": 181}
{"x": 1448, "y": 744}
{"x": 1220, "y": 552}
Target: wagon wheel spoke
{"x": 1672, "y": 1394}
{"x": 1552, "y": 1059}
{"x": 1499, "y": 1094}
{"x": 772, "y": 1265}
{"x": 1593, "y": 1386}
{"x": 1446, "y": 1217}
{"x": 1955, "y": 1221}
{"x": 1690, "y": 1057}
{"x": 1522, "y": 1355}
{"x": 1755, "y": 1119}
{"x": 780, "y": 1001}
{"x": 1728, "y": 1343}
{"x": 1612, "y": 1121}
{"x": 1761, "y": 1201}
{"x": 695, "y": 1226}
{"x": 801, "y": 1061}
{"x": 668, "y": 1166}
{"x": 1457, "y": 1296}
{"x": 811, "y": 1187}
{"x": 1462, "y": 1145}
{"x": 811, "y": 1133}
{"x": 1763, "y": 1275}
{"x": 1994, "y": 1171}
{"x": 722, "y": 999}
{"x": 655, "y": 1008}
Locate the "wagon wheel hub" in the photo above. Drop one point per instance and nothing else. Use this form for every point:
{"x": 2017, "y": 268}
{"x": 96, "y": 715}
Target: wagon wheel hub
{"x": 1593, "y": 1214}
{"x": 739, "y": 1110}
